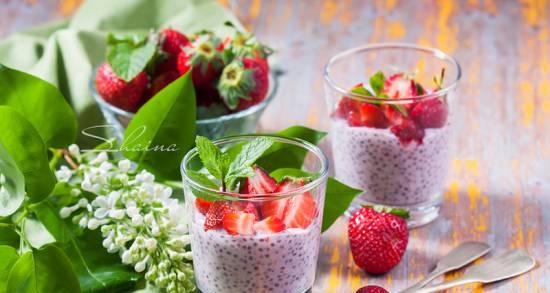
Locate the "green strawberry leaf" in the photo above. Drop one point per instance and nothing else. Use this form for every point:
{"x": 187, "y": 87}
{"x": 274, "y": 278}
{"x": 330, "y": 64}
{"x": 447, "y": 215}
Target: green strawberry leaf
{"x": 41, "y": 103}
{"x": 12, "y": 184}
{"x": 338, "y": 197}
{"x": 128, "y": 59}
{"x": 419, "y": 89}
{"x": 377, "y": 83}
{"x": 43, "y": 271}
{"x": 23, "y": 143}
{"x": 163, "y": 130}
{"x": 402, "y": 213}
{"x": 241, "y": 166}
{"x": 281, "y": 155}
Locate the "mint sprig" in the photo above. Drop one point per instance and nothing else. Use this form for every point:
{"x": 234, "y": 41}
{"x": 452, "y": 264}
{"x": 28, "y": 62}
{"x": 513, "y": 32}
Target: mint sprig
{"x": 229, "y": 172}
{"x": 376, "y": 82}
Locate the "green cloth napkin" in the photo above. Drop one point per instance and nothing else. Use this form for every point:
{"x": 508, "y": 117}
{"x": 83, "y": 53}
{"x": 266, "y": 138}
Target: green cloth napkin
{"x": 66, "y": 51}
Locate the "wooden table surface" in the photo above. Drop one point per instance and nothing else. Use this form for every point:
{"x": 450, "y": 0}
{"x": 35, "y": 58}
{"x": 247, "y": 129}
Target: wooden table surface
{"x": 499, "y": 186}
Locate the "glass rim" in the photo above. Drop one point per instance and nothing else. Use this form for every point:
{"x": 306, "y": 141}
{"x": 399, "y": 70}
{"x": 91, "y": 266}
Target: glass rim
{"x": 381, "y": 46}
{"x": 273, "y": 88}
{"x": 323, "y": 173}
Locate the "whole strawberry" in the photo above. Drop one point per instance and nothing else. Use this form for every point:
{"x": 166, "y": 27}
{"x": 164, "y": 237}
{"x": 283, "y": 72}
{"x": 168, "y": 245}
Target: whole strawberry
{"x": 377, "y": 239}
{"x": 173, "y": 41}
{"x": 372, "y": 289}
{"x": 205, "y": 60}
{"x": 431, "y": 113}
{"x": 244, "y": 82}
{"x": 117, "y": 92}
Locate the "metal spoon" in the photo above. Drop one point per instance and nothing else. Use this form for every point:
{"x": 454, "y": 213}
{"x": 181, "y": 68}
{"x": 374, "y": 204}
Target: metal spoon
{"x": 460, "y": 256}
{"x": 507, "y": 265}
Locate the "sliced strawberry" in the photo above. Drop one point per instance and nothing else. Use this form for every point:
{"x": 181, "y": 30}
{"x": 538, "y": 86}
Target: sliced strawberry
{"x": 260, "y": 182}
{"x": 408, "y": 131}
{"x": 215, "y": 214}
{"x": 202, "y": 205}
{"x": 372, "y": 116}
{"x": 301, "y": 211}
{"x": 238, "y": 223}
{"x": 393, "y": 115}
{"x": 345, "y": 106}
{"x": 251, "y": 209}
{"x": 276, "y": 208}
{"x": 399, "y": 86}
{"x": 247, "y": 207}
{"x": 431, "y": 113}
{"x": 269, "y": 225}
{"x": 354, "y": 119}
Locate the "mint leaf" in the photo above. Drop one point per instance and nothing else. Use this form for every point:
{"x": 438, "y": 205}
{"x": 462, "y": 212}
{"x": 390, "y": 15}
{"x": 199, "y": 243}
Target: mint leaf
{"x": 419, "y": 89}
{"x": 242, "y": 165}
{"x": 401, "y": 109}
{"x": 129, "y": 58}
{"x": 212, "y": 157}
{"x": 360, "y": 90}
{"x": 377, "y": 82}
{"x": 202, "y": 179}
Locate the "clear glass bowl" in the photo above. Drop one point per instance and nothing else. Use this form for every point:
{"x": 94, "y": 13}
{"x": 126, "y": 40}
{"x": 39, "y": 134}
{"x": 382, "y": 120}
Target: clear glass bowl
{"x": 408, "y": 175}
{"x": 283, "y": 262}
{"x": 242, "y": 122}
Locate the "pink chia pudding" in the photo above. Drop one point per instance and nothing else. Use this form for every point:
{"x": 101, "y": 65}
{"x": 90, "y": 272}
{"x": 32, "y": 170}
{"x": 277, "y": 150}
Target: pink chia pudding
{"x": 389, "y": 171}
{"x": 262, "y": 263}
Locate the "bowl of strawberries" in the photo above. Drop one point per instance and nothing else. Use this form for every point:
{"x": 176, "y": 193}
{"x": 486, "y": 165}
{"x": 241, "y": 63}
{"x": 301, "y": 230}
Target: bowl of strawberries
{"x": 231, "y": 76}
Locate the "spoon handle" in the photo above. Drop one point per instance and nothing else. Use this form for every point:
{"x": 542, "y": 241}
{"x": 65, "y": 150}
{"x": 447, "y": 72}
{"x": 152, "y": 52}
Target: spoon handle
{"x": 446, "y": 285}
{"x": 432, "y": 275}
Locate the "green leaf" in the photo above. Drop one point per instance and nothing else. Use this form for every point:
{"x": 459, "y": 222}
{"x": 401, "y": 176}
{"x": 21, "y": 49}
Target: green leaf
{"x": 41, "y": 103}
{"x": 25, "y": 146}
{"x": 338, "y": 197}
{"x": 163, "y": 130}
{"x": 241, "y": 167}
{"x": 403, "y": 213}
{"x": 8, "y": 257}
{"x": 212, "y": 157}
{"x": 360, "y": 90}
{"x": 97, "y": 270}
{"x": 281, "y": 174}
{"x": 36, "y": 233}
{"x": 128, "y": 59}
{"x": 8, "y": 236}
{"x": 43, "y": 271}
{"x": 12, "y": 184}
{"x": 282, "y": 155}
{"x": 50, "y": 219}
{"x": 401, "y": 109}
{"x": 377, "y": 82}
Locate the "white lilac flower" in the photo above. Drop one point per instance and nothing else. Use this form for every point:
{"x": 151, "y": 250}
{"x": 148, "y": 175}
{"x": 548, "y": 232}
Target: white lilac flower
{"x": 137, "y": 217}
{"x": 63, "y": 174}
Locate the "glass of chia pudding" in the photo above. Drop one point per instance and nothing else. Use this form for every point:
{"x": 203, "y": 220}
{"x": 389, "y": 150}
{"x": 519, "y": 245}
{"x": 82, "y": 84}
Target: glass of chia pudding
{"x": 260, "y": 233}
{"x": 391, "y": 116}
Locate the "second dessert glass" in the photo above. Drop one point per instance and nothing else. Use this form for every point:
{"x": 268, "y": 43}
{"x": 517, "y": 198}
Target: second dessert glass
{"x": 392, "y": 171}
{"x": 282, "y": 262}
